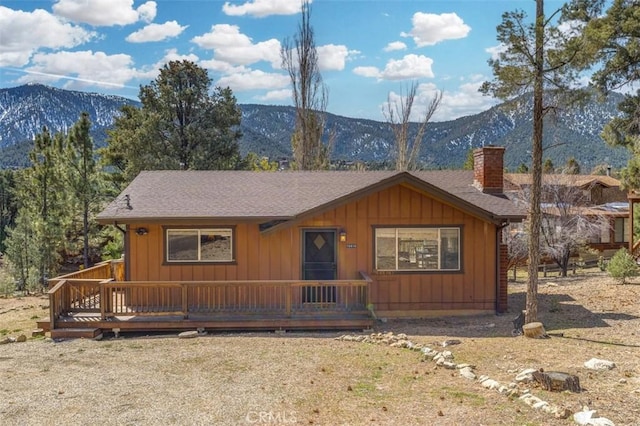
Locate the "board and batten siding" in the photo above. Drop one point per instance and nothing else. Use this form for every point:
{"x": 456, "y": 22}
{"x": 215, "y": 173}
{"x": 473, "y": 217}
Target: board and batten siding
{"x": 277, "y": 255}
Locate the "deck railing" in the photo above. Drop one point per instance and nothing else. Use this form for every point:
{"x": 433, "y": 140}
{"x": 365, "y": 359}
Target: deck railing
{"x": 108, "y": 297}
{"x": 229, "y": 298}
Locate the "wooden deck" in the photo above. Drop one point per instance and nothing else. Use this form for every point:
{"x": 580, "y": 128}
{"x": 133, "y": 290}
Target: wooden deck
{"x": 87, "y": 300}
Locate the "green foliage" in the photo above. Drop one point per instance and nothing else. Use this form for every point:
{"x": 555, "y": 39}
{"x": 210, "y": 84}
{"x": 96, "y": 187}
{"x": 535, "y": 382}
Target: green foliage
{"x": 610, "y": 41}
{"x": 35, "y": 244}
{"x": 83, "y": 183}
{"x": 572, "y": 167}
{"x": 547, "y": 166}
{"x": 8, "y": 204}
{"x": 258, "y": 164}
{"x": 522, "y": 168}
{"x": 622, "y": 266}
{"x": 179, "y": 126}
{"x": 468, "y": 161}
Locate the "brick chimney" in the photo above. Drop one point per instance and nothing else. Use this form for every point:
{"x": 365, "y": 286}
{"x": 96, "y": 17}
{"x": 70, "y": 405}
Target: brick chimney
{"x": 488, "y": 169}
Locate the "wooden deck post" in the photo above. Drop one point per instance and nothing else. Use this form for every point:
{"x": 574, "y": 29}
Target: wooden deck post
{"x": 287, "y": 302}
{"x": 185, "y": 301}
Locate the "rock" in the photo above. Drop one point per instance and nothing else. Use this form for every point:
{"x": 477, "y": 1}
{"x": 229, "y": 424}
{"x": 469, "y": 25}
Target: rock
{"x": 562, "y": 413}
{"x": 450, "y": 342}
{"x": 449, "y": 365}
{"x": 584, "y": 417}
{"x": 188, "y": 334}
{"x": 602, "y": 421}
{"x": 622, "y": 381}
{"x": 461, "y": 366}
{"x": 428, "y": 352}
{"x": 541, "y": 404}
{"x": 532, "y": 400}
{"x": 490, "y": 384}
{"x": 467, "y": 373}
{"x": 21, "y": 338}
{"x": 447, "y": 355}
{"x": 599, "y": 364}
{"x": 37, "y": 332}
{"x": 5, "y": 341}
{"x": 525, "y": 376}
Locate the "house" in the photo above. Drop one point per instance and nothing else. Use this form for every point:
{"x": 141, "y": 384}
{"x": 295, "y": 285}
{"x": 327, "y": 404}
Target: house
{"x": 237, "y": 249}
{"x": 600, "y": 197}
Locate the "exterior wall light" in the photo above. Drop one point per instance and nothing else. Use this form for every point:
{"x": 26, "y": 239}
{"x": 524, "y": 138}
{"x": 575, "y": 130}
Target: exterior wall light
{"x": 142, "y": 231}
{"x": 343, "y": 236}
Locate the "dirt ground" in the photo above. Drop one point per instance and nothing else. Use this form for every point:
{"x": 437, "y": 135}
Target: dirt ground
{"x": 311, "y": 378}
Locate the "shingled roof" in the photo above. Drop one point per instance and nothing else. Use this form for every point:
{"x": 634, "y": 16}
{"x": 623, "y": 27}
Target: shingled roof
{"x": 244, "y": 195}
{"x": 580, "y": 181}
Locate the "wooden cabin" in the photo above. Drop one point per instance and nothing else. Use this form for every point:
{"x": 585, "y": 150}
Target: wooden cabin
{"x": 314, "y": 250}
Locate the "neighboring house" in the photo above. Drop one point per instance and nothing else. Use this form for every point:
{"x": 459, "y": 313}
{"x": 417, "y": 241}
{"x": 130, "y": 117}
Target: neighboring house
{"x": 236, "y": 249}
{"x": 599, "y": 197}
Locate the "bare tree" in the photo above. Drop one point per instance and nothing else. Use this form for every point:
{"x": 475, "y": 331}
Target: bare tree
{"x": 310, "y": 96}
{"x": 568, "y": 220}
{"x": 517, "y": 243}
{"x": 398, "y": 115}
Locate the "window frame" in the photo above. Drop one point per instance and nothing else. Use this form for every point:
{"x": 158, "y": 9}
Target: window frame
{"x": 200, "y": 229}
{"x": 624, "y": 231}
{"x": 457, "y": 227}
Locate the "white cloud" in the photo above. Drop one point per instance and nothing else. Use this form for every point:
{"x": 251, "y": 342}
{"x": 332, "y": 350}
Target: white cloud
{"x": 410, "y": 67}
{"x": 156, "y": 32}
{"x": 82, "y": 68}
{"x": 230, "y": 45}
{"x": 429, "y": 29}
{"x": 23, "y": 33}
{"x": 254, "y": 80}
{"x": 370, "y": 72}
{"x": 105, "y": 12}
{"x": 495, "y": 51}
{"x": 147, "y": 11}
{"x": 151, "y": 72}
{"x": 263, "y": 8}
{"x": 332, "y": 57}
{"x": 465, "y": 101}
{"x": 223, "y": 67}
{"x": 394, "y": 46}
{"x": 276, "y": 95}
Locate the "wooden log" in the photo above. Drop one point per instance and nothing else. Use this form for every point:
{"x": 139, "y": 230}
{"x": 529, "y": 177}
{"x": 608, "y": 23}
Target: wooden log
{"x": 534, "y": 330}
{"x": 556, "y": 381}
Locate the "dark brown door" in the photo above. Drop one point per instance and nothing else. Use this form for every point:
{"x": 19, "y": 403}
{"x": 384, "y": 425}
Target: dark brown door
{"x": 319, "y": 264}
{"x": 319, "y": 257}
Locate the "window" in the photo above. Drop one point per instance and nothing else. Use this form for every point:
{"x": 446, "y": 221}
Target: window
{"x": 417, "y": 249}
{"x": 200, "y": 245}
{"x": 621, "y": 230}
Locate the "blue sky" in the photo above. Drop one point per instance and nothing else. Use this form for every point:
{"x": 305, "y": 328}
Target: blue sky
{"x": 370, "y": 50}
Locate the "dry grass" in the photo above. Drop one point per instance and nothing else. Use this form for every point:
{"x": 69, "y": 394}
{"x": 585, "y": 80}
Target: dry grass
{"x": 310, "y": 378}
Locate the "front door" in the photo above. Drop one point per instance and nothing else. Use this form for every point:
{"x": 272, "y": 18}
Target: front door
{"x": 319, "y": 264}
{"x": 319, "y": 257}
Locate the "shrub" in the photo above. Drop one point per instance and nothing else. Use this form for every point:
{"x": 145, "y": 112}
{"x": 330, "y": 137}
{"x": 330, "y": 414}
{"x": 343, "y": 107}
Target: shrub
{"x": 622, "y": 265}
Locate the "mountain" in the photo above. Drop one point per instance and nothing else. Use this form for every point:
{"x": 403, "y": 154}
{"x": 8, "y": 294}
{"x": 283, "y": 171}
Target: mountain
{"x": 266, "y": 129}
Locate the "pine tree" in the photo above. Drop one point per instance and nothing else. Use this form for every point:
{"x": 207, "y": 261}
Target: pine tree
{"x": 35, "y": 244}
{"x": 83, "y": 179}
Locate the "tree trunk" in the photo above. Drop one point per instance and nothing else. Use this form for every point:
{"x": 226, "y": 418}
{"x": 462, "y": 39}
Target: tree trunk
{"x": 557, "y": 382}
{"x": 534, "y": 330}
{"x": 536, "y": 171}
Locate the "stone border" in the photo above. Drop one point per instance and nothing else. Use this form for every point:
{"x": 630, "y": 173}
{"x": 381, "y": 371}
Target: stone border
{"x": 445, "y": 359}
